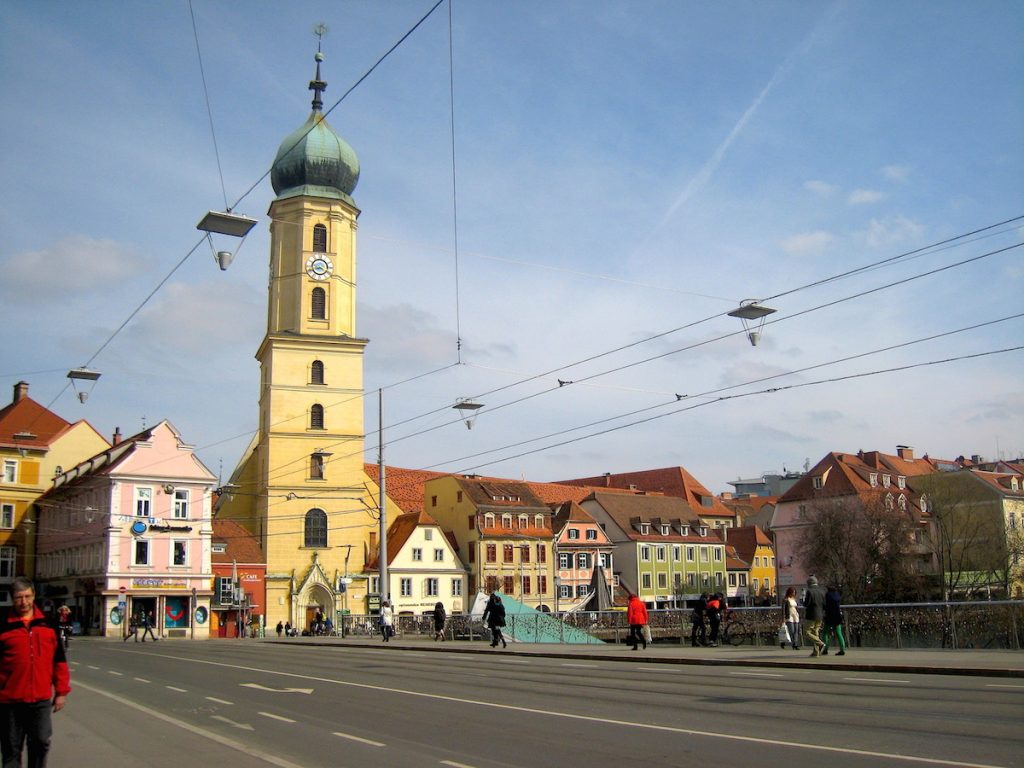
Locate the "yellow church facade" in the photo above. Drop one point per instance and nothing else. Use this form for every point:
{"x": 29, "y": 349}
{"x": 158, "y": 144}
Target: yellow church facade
{"x": 301, "y": 486}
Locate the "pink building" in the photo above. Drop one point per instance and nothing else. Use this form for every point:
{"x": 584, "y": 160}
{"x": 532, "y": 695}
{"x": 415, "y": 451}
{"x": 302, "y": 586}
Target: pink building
{"x": 128, "y": 532}
{"x": 581, "y": 548}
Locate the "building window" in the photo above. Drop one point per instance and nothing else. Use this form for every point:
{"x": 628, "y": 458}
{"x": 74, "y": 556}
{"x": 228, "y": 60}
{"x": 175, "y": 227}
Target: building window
{"x": 492, "y": 553}
{"x": 524, "y": 521}
{"x": 524, "y": 553}
{"x": 143, "y": 502}
{"x": 472, "y": 554}
{"x": 755, "y": 584}
{"x": 732, "y": 579}
{"x": 718, "y": 554}
{"x": 591, "y": 534}
{"x": 677, "y": 553}
{"x": 691, "y": 580}
{"x": 433, "y": 501}
{"x": 582, "y": 590}
{"x": 542, "y": 553}
{"x": 542, "y": 584}
{"x": 506, "y": 521}
{"x": 704, "y": 554}
{"x": 574, "y": 533}
{"x": 432, "y": 588}
{"x": 375, "y": 585}
{"x": 316, "y": 416}
{"x": 320, "y": 238}
{"x": 662, "y": 581}
{"x": 141, "y": 552}
{"x": 584, "y": 560}
{"x": 508, "y": 584}
{"x": 456, "y": 587}
{"x": 818, "y": 482}
{"x": 6, "y": 515}
{"x": 438, "y": 555}
{"x": 181, "y": 504}
{"x": 660, "y": 553}
{"x": 901, "y": 481}
{"x": 458, "y": 497}
{"x": 316, "y": 372}
{"x": 316, "y": 466}
{"x": 719, "y": 579}
{"x": 405, "y": 585}
{"x": 508, "y": 553}
{"x": 645, "y": 553}
{"x": 318, "y": 303}
{"x": 428, "y": 534}
{"x": 902, "y": 502}
{"x": 690, "y": 554}
{"x": 315, "y": 528}
{"x": 563, "y": 560}
{"x": 645, "y": 581}
{"x": 538, "y": 520}
{"x": 488, "y": 520}
{"x": 743, "y": 579}
{"x": 604, "y": 560}
{"x": 564, "y": 590}
{"x": 179, "y": 554}
{"x": 527, "y": 586}
{"x": 10, "y": 471}
{"x": 417, "y": 555}
{"x": 7, "y": 558}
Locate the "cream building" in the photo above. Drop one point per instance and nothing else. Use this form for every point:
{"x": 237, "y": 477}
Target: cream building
{"x": 301, "y": 486}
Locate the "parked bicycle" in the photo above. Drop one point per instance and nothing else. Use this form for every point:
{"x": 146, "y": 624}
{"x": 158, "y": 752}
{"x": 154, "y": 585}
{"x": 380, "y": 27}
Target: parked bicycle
{"x": 735, "y": 631}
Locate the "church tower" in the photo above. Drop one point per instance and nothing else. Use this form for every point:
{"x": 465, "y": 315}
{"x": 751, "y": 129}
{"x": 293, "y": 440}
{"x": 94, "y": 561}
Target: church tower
{"x": 302, "y": 487}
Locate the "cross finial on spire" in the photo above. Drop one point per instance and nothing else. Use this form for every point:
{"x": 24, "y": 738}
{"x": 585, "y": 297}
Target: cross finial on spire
{"x": 318, "y": 86}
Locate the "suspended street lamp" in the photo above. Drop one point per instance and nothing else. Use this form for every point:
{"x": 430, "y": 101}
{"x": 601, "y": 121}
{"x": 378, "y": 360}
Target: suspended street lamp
{"x": 468, "y": 410}
{"x": 225, "y": 223}
{"x": 752, "y": 314}
{"x": 83, "y": 374}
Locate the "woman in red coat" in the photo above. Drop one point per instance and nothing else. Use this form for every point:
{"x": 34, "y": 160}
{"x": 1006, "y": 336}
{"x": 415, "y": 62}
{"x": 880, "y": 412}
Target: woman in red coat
{"x": 636, "y": 617}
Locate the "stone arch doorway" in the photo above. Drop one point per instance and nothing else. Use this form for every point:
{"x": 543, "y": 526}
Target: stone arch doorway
{"x": 317, "y": 598}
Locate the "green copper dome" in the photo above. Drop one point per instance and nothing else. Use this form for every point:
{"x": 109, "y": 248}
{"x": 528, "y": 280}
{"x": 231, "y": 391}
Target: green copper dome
{"x": 313, "y": 159}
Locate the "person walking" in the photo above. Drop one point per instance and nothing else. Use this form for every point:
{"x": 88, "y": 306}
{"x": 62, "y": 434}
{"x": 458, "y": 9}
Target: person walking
{"x": 147, "y": 621}
{"x": 133, "y": 629}
{"x": 494, "y": 617}
{"x": 288, "y": 629}
{"x": 791, "y": 618}
{"x": 636, "y": 617}
{"x": 439, "y": 619}
{"x": 814, "y": 614}
{"x": 699, "y": 628}
{"x": 280, "y": 628}
{"x": 714, "y": 614}
{"x": 387, "y": 621}
{"x": 35, "y": 678}
{"x": 834, "y": 620}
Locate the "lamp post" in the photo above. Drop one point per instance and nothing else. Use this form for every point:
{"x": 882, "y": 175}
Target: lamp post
{"x": 382, "y": 557}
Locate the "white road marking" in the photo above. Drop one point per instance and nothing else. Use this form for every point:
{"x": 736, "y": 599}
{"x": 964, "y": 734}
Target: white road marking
{"x": 456, "y": 765}
{"x": 92, "y": 667}
{"x": 757, "y": 674}
{"x": 874, "y": 680}
{"x": 276, "y": 717}
{"x": 998, "y": 685}
{"x": 220, "y": 701}
{"x": 242, "y": 726}
{"x": 141, "y": 679}
{"x": 179, "y": 690}
{"x": 581, "y": 666}
{"x": 592, "y": 719}
{"x": 360, "y": 739}
{"x": 115, "y": 672}
{"x": 259, "y": 687}
{"x": 511, "y": 661}
{"x": 257, "y": 754}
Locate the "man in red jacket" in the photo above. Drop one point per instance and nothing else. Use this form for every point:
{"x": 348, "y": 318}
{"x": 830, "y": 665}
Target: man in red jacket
{"x": 35, "y": 678}
{"x": 636, "y": 617}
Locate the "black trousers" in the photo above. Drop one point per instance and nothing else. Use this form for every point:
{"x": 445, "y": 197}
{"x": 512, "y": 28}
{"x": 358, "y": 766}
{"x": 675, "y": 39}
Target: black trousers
{"x": 21, "y": 722}
{"x": 496, "y": 636}
{"x": 636, "y": 635}
{"x": 715, "y": 622}
{"x": 699, "y": 629}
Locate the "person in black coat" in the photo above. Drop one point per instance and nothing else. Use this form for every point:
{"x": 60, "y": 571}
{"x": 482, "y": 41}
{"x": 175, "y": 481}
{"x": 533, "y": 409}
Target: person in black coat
{"x": 494, "y": 617}
{"x": 700, "y": 628}
{"x": 834, "y": 620}
{"x": 439, "y": 618}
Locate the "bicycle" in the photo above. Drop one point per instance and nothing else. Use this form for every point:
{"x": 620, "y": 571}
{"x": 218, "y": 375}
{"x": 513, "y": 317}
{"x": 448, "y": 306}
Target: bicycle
{"x": 734, "y": 631}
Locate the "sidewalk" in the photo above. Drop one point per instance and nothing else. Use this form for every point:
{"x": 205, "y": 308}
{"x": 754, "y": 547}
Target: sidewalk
{"x": 906, "y": 661}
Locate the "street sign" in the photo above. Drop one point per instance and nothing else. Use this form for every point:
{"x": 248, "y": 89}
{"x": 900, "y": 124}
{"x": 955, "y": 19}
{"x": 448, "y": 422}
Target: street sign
{"x": 345, "y": 580}
{"x": 122, "y": 590}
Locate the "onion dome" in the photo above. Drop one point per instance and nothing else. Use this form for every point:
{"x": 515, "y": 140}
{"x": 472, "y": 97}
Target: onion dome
{"x": 314, "y": 160}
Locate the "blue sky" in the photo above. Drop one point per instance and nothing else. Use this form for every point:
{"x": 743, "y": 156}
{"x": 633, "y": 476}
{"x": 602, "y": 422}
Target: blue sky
{"x": 623, "y": 169}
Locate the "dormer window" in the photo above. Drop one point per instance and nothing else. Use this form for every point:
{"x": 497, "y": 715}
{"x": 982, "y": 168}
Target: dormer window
{"x": 489, "y": 520}
{"x": 889, "y": 503}
{"x": 901, "y": 481}
{"x": 538, "y": 521}
{"x": 886, "y": 481}
{"x": 684, "y": 530}
{"x": 645, "y": 528}
{"x": 506, "y": 521}
{"x": 524, "y": 521}
{"x": 706, "y": 501}
{"x": 1014, "y": 485}
{"x": 873, "y": 479}
{"x": 703, "y": 530}
{"x": 664, "y": 530}
{"x": 924, "y": 503}
{"x": 818, "y": 481}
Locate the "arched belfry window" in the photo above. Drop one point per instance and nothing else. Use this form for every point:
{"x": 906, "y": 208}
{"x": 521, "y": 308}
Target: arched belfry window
{"x": 315, "y": 528}
{"x": 316, "y": 372}
{"x": 316, "y": 466}
{"x": 316, "y": 416}
{"x": 320, "y": 238}
{"x": 319, "y": 304}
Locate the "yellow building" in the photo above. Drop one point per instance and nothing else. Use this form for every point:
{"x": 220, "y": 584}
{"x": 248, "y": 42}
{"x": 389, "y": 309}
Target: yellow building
{"x": 504, "y": 535}
{"x": 35, "y": 445}
{"x": 301, "y": 486}
{"x": 754, "y": 547}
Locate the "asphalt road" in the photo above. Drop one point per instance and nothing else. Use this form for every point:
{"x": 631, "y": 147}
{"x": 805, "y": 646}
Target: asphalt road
{"x": 178, "y": 703}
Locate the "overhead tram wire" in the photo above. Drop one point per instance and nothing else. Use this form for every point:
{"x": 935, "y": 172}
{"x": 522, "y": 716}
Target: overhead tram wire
{"x": 712, "y": 392}
{"x": 209, "y": 110}
{"x": 455, "y": 186}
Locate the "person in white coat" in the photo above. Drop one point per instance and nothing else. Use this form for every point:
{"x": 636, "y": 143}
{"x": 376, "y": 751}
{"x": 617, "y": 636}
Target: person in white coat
{"x": 387, "y": 620}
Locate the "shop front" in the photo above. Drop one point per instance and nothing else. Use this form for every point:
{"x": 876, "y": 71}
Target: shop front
{"x": 176, "y": 608}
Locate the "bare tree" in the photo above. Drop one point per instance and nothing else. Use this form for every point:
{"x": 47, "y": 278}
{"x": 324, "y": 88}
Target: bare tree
{"x": 863, "y": 545}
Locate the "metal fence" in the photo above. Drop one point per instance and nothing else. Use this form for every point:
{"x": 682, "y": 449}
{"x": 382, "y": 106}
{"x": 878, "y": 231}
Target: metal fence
{"x": 997, "y": 624}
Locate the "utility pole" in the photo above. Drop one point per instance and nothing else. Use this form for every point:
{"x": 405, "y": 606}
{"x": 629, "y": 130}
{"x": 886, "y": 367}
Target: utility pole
{"x": 382, "y": 558}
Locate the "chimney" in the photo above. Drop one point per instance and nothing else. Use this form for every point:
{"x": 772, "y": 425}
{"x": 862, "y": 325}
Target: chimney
{"x": 905, "y": 452}
{"x": 117, "y": 436}
{"x": 975, "y": 459}
{"x": 20, "y": 391}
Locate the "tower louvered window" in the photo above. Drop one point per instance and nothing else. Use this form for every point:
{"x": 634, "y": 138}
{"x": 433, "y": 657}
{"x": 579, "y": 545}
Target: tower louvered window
{"x": 319, "y": 304}
{"x": 316, "y": 372}
{"x": 316, "y": 416}
{"x": 320, "y": 238}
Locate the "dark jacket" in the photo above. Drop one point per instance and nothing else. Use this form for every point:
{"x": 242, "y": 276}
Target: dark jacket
{"x": 814, "y": 603}
{"x": 494, "y": 613}
{"x": 439, "y": 617}
{"x": 833, "y": 608}
{"x": 32, "y": 661}
{"x": 697, "y": 617}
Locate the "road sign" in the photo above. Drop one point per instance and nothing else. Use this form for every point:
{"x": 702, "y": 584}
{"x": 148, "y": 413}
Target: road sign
{"x": 122, "y": 590}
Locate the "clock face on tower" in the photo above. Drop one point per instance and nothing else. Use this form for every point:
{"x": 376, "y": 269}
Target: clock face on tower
{"x": 319, "y": 267}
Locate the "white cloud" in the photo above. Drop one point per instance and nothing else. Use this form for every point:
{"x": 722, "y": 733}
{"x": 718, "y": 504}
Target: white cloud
{"x": 808, "y": 243}
{"x": 865, "y": 197}
{"x": 820, "y": 188}
{"x": 76, "y": 263}
{"x": 898, "y": 173}
{"x": 892, "y": 231}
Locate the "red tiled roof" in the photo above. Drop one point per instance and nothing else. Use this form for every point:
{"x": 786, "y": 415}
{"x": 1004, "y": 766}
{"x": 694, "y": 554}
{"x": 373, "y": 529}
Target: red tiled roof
{"x": 241, "y": 546}
{"x": 403, "y": 486}
{"x": 399, "y": 531}
{"x": 29, "y": 417}
{"x": 671, "y": 481}
{"x": 625, "y": 509}
{"x": 746, "y": 540}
